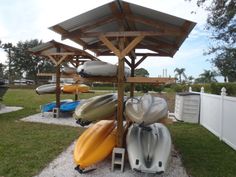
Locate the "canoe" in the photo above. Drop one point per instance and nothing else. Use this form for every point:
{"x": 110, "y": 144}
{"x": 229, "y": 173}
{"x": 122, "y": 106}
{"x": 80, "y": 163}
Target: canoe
{"x": 146, "y": 110}
{"x": 49, "y": 106}
{"x": 73, "y": 88}
{"x": 148, "y": 148}
{"x": 69, "y": 106}
{"x": 45, "y": 89}
{"x": 68, "y": 70}
{"x": 96, "y": 108}
{"x": 95, "y": 144}
{"x": 99, "y": 68}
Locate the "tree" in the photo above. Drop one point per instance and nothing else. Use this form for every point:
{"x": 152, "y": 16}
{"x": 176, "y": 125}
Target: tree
{"x": 29, "y": 65}
{"x": 9, "y": 49}
{"x": 141, "y": 72}
{"x": 207, "y": 76}
{"x": 221, "y": 22}
{"x": 190, "y": 79}
{"x": 179, "y": 73}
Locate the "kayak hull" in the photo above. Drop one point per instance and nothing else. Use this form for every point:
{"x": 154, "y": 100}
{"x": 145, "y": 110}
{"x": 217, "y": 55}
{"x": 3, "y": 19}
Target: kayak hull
{"x": 95, "y": 144}
{"x": 149, "y": 148}
{"x": 97, "y": 108}
{"x": 146, "y": 110}
{"x": 46, "y": 89}
{"x": 73, "y": 88}
{"x": 99, "y": 68}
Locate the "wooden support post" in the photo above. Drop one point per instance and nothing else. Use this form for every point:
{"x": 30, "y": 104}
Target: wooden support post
{"x": 121, "y": 65}
{"x": 58, "y": 88}
{"x": 132, "y": 75}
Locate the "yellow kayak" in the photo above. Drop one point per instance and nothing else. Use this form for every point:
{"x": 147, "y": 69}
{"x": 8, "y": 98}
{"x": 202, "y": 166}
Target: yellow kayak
{"x": 95, "y": 144}
{"x": 73, "y": 88}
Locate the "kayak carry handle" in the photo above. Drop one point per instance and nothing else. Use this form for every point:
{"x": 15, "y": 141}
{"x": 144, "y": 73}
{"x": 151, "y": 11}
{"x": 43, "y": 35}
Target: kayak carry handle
{"x": 83, "y": 171}
{"x": 83, "y": 122}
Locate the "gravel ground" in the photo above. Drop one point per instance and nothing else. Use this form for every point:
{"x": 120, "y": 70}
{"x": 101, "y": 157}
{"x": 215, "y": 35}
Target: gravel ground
{"x": 6, "y": 109}
{"x": 63, "y": 166}
{"x": 48, "y": 119}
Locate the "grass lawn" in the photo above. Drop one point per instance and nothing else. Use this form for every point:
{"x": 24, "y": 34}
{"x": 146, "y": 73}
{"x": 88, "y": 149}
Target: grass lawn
{"x": 203, "y": 154}
{"x": 26, "y": 148}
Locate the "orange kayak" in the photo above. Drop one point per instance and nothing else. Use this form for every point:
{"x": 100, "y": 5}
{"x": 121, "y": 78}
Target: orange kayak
{"x": 73, "y": 88}
{"x": 95, "y": 144}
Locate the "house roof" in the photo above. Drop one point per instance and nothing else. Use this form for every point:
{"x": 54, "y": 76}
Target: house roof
{"x": 163, "y": 33}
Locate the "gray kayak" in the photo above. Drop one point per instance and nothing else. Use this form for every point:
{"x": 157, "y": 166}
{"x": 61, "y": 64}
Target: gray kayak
{"x": 96, "y": 108}
{"x": 149, "y": 148}
{"x": 68, "y": 70}
{"x": 146, "y": 110}
{"x": 99, "y": 68}
{"x": 46, "y": 89}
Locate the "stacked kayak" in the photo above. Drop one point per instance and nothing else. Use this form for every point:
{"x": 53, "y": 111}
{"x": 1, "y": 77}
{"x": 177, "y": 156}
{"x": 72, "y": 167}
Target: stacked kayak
{"x": 146, "y": 110}
{"x": 95, "y": 144}
{"x": 96, "y": 108}
{"x": 45, "y": 89}
{"x": 69, "y": 106}
{"x": 99, "y": 68}
{"x": 49, "y": 106}
{"x": 68, "y": 70}
{"x": 148, "y": 148}
{"x": 73, "y": 88}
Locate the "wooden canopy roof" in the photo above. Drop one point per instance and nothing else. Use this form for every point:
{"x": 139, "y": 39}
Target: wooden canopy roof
{"x": 58, "y": 53}
{"x": 163, "y": 34}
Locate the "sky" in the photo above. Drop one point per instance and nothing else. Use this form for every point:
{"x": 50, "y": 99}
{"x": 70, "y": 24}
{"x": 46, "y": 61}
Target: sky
{"x": 30, "y": 19}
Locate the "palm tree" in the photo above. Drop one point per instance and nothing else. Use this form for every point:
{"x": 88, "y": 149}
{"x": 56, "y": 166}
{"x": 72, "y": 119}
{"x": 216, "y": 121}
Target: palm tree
{"x": 179, "y": 73}
{"x": 190, "y": 79}
{"x": 208, "y": 76}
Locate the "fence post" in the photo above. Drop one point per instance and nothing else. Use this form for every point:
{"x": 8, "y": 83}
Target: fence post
{"x": 201, "y": 105}
{"x": 202, "y": 89}
{"x": 223, "y": 94}
{"x": 190, "y": 89}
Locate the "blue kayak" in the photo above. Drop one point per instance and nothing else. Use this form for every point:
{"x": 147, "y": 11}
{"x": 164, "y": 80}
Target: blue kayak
{"x": 49, "y": 106}
{"x": 70, "y": 106}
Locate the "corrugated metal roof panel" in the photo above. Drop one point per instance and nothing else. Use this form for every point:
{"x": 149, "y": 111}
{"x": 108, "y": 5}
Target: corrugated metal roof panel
{"x": 120, "y": 9}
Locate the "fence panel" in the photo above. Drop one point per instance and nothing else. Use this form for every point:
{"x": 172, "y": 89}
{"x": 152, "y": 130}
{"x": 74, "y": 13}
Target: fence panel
{"x": 229, "y": 121}
{"x": 210, "y": 113}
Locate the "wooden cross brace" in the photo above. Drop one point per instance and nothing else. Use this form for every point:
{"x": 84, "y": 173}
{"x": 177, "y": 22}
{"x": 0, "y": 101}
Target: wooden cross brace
{"x": 127, "y": 50}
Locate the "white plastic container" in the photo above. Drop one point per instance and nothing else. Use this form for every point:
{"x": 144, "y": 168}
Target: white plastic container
{"x": 187, "y": 107}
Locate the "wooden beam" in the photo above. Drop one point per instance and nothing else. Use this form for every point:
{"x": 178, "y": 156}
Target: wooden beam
{"x": 110, "y": 46}
{"x": 140, "y": 61}
{"x": 58, "y": 53}
{"x": 120, "y": 100}
{"x": 132, "y": 86}
{"x": 58, "y": 88}
{"x": 61, "y": 60}
{"x": 154, "y": 80}
{"x": 128, "y": 63}
{"x": 95, "y": 79}
{"x": 108, "y": 53}
{"x": 52, "y": 59}
{"x": 129, "y": 34}
{"x": 131, "y": 46}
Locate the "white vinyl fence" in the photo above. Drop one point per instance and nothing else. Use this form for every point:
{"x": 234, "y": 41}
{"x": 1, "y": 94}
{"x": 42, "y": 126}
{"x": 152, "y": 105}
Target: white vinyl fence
{"x": 218, "y": 115}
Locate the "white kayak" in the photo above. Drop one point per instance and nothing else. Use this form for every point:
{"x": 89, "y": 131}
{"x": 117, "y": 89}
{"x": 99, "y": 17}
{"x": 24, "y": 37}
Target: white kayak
{"x": 68, "y": 70}
{"x": 45, "y": 89}
{"x": 99, "y": 68}
{"x": 149, "y": 148}
{"x": 146, "y": 110}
